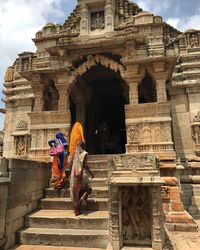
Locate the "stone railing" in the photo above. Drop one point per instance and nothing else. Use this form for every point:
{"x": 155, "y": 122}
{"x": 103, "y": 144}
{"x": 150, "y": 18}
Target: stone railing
{"x": 43, "y": 127}
{"x": 26, "y": 182}
{"x": 48, "y": 118}
{"x": 147, "y": 110}
{"x": 148, "y": 129}
{"x": 135, "y": 192}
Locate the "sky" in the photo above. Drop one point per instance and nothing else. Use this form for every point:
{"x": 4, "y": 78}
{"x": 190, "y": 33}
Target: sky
{"x": 21, "y": 19}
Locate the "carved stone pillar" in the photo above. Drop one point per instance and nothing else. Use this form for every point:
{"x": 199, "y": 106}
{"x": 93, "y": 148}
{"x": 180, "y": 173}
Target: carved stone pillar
{"x": 63, "y": 82}
{"x": 84, "y": 24}
{"x": 109, "y": 16}
{"x": 37, "y": 88}
{"x": 133, "y": 92}
{"x": 161, "y": 90}
{"x": 63, "y": 97}
{"x": 38, "y": 93}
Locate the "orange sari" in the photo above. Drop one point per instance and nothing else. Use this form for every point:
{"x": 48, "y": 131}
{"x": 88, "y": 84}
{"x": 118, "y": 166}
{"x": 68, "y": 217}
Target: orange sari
{"x": 75, "y": 137}
{"x": 58, "y": 176}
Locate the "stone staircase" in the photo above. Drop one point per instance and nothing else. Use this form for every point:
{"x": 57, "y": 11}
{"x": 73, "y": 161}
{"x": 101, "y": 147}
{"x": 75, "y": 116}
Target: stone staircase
{"x": 56, "y": 225}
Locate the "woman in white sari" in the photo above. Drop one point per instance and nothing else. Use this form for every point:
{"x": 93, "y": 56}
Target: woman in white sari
{"x": 79, "y": 181}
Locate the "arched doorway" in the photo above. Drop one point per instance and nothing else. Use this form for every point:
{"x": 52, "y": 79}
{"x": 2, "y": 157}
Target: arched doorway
{"x": 97, "y": 100}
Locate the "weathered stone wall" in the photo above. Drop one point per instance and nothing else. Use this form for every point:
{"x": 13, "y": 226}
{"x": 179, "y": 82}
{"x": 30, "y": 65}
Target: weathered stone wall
{"x": 21, "y": 195}
{"x": 3, "y": 204}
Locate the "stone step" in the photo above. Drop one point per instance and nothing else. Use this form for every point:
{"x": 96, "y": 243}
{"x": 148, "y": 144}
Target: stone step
{"x": 98, "y": 173}
{"x": 65, "y": 203}
{"x": 97, "y": 192}
{"x": 136, "y": 248}
{"x": 194, "y": 211}
{"x": 65, "y": 237}
{"x": 195, "y": 200}
{"x": 95, "y": 182}
{"x": 98, "y": 164}
{"x": 102, "y": 157}
{"x": 34, "y": 247}
{"x": 65, "y": 219}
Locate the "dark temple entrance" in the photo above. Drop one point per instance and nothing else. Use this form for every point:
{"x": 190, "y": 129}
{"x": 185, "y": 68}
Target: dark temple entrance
{"x": 97, "y": 100}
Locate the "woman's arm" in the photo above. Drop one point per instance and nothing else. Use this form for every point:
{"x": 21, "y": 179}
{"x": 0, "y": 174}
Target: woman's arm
{"x": 52, "y": 143}
{"x": 85, "y": 165}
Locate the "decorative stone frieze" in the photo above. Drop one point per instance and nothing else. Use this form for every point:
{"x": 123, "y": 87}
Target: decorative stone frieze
{"x": 43, "y": 127}
{"x": 99, "y": 59}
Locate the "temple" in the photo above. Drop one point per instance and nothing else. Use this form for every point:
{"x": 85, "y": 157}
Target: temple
{"x": 133, "y": 81}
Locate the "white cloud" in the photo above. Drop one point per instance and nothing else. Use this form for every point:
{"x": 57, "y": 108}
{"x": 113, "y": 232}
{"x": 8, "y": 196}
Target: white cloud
{"x": 150, "y": 5}
{"x": 173, "y": 22}
{"x": 19, "y": 21}
{"x": 185, "y": 23}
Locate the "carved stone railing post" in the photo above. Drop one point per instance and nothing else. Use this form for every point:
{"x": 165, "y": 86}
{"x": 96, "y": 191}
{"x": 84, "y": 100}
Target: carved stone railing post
{"x": 114, "y": 217}
{"x": 157, "y": 218}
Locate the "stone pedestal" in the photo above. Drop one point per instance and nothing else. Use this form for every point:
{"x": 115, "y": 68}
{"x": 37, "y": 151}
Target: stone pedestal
{"x": 176, "y": 218}
{"x": 136, "y": 215}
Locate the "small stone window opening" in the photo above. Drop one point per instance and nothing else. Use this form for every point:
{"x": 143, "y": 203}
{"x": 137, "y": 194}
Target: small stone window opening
{"x": 97, "y": 20}
{"x": 147, "y": 90}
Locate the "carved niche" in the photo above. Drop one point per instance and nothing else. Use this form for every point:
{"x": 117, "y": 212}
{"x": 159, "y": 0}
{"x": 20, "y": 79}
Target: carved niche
{"x": 136, "y": 215}
{"x": 196, "y": 133}
{"x": 193, "y": 39}
{"x": 21, "y": 139}
{"x": 97, "y": 20}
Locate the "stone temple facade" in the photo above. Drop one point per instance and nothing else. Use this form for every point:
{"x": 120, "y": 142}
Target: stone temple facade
{"x": 133, "y": 81}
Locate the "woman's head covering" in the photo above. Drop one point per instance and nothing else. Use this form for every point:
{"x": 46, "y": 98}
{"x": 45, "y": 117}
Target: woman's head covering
{"x": 76, "y": 136}
{"x": 60, "y": 136}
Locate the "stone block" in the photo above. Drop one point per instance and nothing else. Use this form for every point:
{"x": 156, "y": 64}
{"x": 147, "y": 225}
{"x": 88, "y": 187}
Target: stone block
{"x": 174, "y": 193}
{"x": 177, "y": 206}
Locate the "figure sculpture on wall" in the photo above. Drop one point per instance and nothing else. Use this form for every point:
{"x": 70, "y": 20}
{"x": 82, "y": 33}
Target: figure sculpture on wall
{"x": 136, "y": 215}
{"x": 20, "y": 146}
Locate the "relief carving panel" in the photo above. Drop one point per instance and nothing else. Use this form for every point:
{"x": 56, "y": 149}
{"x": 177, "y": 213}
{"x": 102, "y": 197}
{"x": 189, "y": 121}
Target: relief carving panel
{"x": 136, "y": 215}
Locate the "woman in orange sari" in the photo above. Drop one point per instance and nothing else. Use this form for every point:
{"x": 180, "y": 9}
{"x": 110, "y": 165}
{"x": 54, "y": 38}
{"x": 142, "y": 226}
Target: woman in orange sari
{"x": 59, "y": 164}
{"x": 76, "y": 136}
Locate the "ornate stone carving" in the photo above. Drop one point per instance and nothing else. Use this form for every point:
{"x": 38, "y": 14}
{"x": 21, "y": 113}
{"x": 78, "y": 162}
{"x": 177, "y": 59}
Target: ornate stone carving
{"x": 97, "y": 20}
{"x": 133, "y": 134}
{"x": 9, "y": 74}
{"x": 134, "y": 162}
{"x": 136, "y": 225}
{"x": 196, "y": 118}
{"x": 109, "y": 15}
{"x": 165, "y": 192}
{"x": 84, "y": 23}
{"x": 147, "y": 110}
{"x": 193, "y": 38}
{"x": 53, "y": 117}
{"x": 98, "y": 59}
{"x": 196, "y": 136}
{"x": 22, "y": 125}
{"x": 21, "y": 144}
